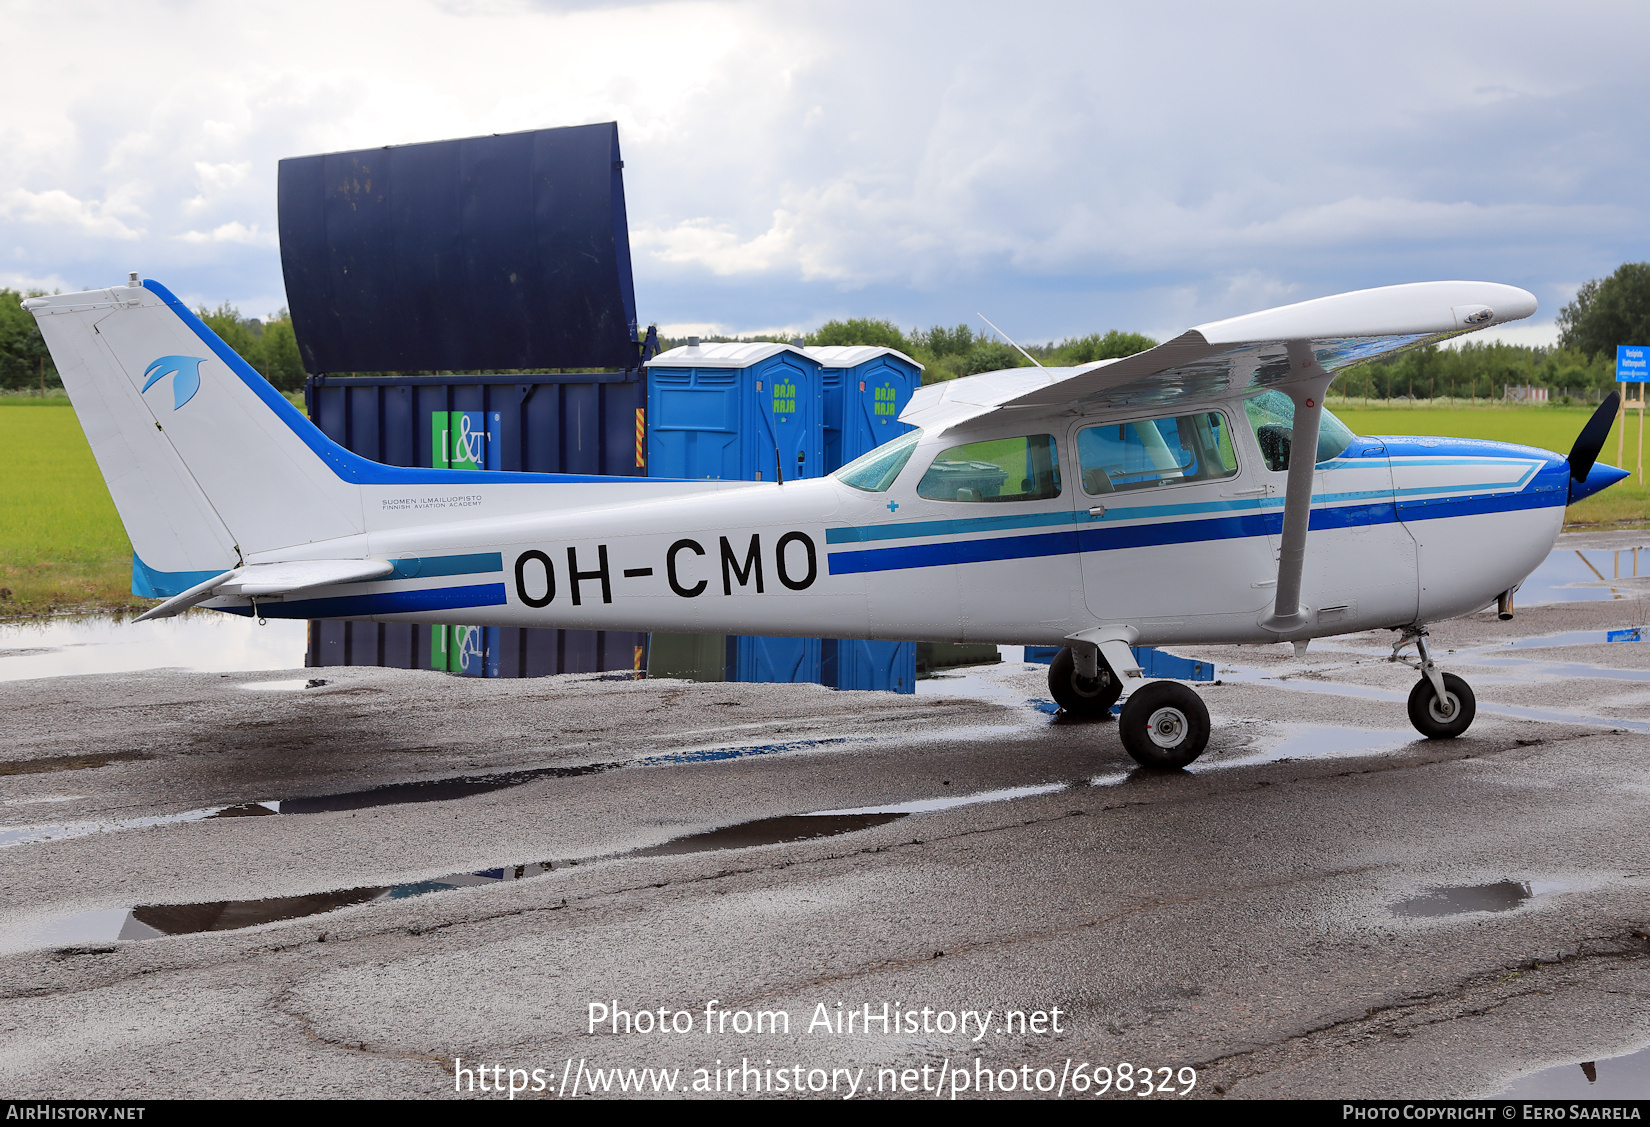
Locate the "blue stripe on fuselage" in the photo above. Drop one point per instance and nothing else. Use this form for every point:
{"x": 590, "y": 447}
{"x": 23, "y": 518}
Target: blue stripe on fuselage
{"x": 385, "y": 602}
{"x": 1106, "y": 539}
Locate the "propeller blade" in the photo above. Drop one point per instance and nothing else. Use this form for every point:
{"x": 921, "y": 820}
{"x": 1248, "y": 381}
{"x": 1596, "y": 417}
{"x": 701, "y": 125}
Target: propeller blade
{"x": 1591, "y": 439}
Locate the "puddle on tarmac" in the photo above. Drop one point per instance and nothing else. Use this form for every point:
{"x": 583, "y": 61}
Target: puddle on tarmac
{"x": 1529, "y": 666}
{"x": 1279, "y": 743}
{"x": 1292, "y": 680}
{"x": 199, "y": 641}
{"x": 1315, "y": 741}
{"x": 1570, "y": 575}
{"x": 150, "y": 921}
{"x": 1572, "y": 638}
{"x": 1455, "y": 900}
{"x": 1613, "y": 1078}
{"x": 393, "y": 794}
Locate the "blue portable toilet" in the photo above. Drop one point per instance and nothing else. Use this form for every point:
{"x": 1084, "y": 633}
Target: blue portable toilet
{"x": 865, "y": 389}
{"x": 734, "y": 412}
{"x": 739, "y": 412}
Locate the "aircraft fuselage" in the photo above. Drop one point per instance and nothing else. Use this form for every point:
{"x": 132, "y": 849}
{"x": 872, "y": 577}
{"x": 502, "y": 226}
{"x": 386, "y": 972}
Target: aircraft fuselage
{"x": 1404, "y": 530}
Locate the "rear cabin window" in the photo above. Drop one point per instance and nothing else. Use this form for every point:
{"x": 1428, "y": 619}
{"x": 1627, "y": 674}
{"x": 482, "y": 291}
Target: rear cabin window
{"x": 1143, "y": 455}
{"x": 1004, "y": 469}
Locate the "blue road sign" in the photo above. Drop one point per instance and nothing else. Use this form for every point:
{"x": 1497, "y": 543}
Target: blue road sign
{"x": 1630, "y": 364}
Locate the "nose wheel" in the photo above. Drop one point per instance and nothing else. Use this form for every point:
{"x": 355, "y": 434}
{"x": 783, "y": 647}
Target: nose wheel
{"x": 1441, "y": 705}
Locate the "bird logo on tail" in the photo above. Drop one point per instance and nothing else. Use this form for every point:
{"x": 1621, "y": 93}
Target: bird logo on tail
{"x": 188, "y": 372}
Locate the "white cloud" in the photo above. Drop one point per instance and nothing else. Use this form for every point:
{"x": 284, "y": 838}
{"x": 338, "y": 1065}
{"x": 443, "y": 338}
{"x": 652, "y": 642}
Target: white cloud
{"x": 57, "y": 207}
{"x": 232, "y": 232}
{"x": 1074, "y": 165}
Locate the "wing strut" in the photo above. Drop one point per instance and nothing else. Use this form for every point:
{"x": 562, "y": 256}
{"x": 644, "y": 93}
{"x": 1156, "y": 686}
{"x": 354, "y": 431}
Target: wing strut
{"x": 1306, "y": 387}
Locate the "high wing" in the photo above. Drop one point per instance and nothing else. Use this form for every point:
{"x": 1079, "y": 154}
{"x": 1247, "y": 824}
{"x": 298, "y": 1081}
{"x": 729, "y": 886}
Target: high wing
{"x": 1241, "y": 353}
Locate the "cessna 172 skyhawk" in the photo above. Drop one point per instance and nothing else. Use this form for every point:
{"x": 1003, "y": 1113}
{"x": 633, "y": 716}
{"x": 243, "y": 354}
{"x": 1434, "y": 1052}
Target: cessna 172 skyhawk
{"x": 1141, "y": 501}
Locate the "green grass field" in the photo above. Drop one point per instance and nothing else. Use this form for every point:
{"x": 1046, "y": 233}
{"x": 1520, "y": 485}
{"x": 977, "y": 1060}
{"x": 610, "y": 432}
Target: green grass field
{"x": 62, "y": 546}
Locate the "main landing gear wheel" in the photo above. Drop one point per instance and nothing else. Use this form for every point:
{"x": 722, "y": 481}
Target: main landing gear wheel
{"x": 1442, "y": 720}
{"x": 1078, "y": 695}
{"x": 1164, "y": 724}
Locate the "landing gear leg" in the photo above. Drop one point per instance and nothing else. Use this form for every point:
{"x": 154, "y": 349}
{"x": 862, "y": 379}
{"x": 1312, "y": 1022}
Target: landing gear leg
{"x": 1441, "y": 706}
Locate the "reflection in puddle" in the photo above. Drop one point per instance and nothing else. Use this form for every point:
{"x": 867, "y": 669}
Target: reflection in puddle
{"x": 150, "y": 921}
{"x": 1577, "y": 638}
{"x": 1317, "y": 741}
{"x": 203, "y": 642}
{"x": 1299, "y": 742}
{"x": 767, "y": 831}
{"x": 1295, "y": 683}
{"x": 1502, "y": 896}
{"x": 1534, "y": 666}
{"x": 1568, "y": 576}
{"x": 934, "y": 805}
{"x": 1623, "y": 1077}
{"x": 1455, "y": 900}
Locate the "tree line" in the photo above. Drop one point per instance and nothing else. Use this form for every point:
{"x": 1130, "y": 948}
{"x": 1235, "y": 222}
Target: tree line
{"x": 269, "y": 345}
{"x": 1606, "y": 312}
{"x": 947, "y": 352}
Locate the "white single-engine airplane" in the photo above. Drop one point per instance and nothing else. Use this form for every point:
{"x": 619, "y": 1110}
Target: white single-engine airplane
{"x": 1143, "y": 501}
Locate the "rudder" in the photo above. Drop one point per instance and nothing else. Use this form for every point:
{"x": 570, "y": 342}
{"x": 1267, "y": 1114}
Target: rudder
{"x": 203, "y": 469}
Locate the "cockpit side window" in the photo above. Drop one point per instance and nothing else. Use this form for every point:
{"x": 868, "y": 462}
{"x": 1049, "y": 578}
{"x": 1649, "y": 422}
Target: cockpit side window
{"x": 1272, "y": 415}
{"x": 1004, "y": 469}
{"x": 1115, "y": 457}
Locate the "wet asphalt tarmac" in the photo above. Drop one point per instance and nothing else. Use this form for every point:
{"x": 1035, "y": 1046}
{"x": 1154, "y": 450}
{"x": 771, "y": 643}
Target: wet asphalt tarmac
{"x": 1325, "y": 906}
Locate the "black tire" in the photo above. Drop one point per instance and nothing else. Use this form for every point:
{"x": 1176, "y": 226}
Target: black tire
{"x": 1079, "y": 696}
{"x": 1164, "y": 725}
{"x": 1429, "y": 719}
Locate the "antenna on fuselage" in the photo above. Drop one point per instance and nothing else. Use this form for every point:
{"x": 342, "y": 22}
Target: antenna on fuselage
{"x": 1008, "y": 338}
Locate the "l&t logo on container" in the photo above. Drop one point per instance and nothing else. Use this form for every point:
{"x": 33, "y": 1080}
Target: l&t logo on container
{"x": 465, "y": 440}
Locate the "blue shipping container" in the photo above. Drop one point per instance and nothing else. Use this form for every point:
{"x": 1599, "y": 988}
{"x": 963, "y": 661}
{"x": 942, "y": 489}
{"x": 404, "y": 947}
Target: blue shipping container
{"x": 538, "y": 423}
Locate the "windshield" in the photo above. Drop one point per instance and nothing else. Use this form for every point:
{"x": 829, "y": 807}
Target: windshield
{"x": 1272, "y": 415}
{"x": 876, "y": 471}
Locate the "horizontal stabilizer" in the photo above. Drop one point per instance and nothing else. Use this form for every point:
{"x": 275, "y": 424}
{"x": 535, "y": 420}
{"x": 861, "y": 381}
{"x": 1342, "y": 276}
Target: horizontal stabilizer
{"x": 260, "y": 581}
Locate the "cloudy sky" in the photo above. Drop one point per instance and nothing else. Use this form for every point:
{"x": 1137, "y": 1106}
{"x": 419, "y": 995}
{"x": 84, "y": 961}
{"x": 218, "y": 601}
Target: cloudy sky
{"x": 1063, "y": 168}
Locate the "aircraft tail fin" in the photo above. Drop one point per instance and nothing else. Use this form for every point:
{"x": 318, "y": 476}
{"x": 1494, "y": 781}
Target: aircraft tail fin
{"x": 207, "y": 463}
